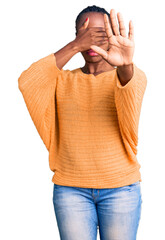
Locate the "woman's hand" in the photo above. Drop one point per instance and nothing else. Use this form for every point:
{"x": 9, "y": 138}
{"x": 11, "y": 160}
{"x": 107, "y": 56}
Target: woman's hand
{"x": 90, "y": 36}
{"x": 121, "y": 47}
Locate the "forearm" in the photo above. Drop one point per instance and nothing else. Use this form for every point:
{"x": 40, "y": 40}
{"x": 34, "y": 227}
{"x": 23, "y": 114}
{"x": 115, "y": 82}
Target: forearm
{"x": 125, "y": 73}
{"x": 65, "y": 54}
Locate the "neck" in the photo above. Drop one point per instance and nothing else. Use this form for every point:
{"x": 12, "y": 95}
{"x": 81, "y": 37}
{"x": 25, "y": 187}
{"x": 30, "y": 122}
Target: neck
{"x": 96, "y": 67}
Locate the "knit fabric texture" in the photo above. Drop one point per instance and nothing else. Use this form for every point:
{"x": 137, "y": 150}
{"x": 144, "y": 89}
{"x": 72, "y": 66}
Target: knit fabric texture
{"x": 89, "y": 124}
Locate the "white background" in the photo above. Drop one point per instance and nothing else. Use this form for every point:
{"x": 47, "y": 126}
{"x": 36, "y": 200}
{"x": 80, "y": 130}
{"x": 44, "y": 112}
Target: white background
{"x": 31, "y": 30}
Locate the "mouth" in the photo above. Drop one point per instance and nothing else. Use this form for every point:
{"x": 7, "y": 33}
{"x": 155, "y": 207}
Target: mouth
{"x": 92, "y": 53}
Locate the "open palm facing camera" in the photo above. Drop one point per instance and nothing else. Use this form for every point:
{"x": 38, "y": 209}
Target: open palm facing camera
{"x": 121, "y": 47}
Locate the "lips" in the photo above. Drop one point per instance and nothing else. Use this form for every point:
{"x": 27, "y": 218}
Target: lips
{"x": 91, "y": 52}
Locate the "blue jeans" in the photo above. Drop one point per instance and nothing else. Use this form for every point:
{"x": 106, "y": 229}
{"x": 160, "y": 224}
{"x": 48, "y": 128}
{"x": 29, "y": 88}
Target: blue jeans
{"x": 114, "y": 211}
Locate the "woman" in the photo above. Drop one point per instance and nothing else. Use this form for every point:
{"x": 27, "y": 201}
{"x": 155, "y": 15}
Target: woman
{"x": 88, "y": 120}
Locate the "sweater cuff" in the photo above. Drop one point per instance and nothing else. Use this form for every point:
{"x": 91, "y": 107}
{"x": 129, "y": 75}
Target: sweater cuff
{"x": 55, "y": 64}
{"x": 130, "y": 83}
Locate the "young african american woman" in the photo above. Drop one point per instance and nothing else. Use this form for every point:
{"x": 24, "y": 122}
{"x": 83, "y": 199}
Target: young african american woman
{"x": 88, "y": 120}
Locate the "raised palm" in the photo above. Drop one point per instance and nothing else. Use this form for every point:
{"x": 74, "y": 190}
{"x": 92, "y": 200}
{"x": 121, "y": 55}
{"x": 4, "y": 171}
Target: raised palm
{"x": 121, "y": 47}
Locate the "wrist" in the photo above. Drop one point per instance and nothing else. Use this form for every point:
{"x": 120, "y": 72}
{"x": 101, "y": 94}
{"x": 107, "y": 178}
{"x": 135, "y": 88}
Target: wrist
{"x": 126, "y": 66}
{"x": 125, "y": 73}
{"x": 74, "y": 46}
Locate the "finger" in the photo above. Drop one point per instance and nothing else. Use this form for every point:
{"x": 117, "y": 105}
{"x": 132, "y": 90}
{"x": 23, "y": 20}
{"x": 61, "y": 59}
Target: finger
{"x": 114, "y": 22}
{"x": 121, "y": 25}
{"x": 100, "y": 43}
{"x": 131, "y": 30}
{"x": 98, "y": 29}
{"x": 100, "y": 51}
{"x": 85, "y": 25}
{"x": 99, "y": 34}
{"x": 107, "y": 26}
{"x": 101, "y": 38}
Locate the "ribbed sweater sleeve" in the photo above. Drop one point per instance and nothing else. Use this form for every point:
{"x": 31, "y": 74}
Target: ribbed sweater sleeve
{"x": 37, "y": 85}
{"x": 128, "y": 100}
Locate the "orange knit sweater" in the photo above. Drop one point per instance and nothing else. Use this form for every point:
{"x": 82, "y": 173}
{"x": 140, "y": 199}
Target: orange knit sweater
{"x": 89, "y": 124}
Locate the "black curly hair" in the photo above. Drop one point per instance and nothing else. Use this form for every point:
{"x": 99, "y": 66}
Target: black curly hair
{"x": 93, "y": 8}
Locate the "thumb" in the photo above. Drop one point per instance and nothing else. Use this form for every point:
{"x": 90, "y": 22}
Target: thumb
{"x": 85, "y": 24}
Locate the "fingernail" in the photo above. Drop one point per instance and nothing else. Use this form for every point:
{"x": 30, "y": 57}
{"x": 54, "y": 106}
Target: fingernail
{"x": 86, "y": 19}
